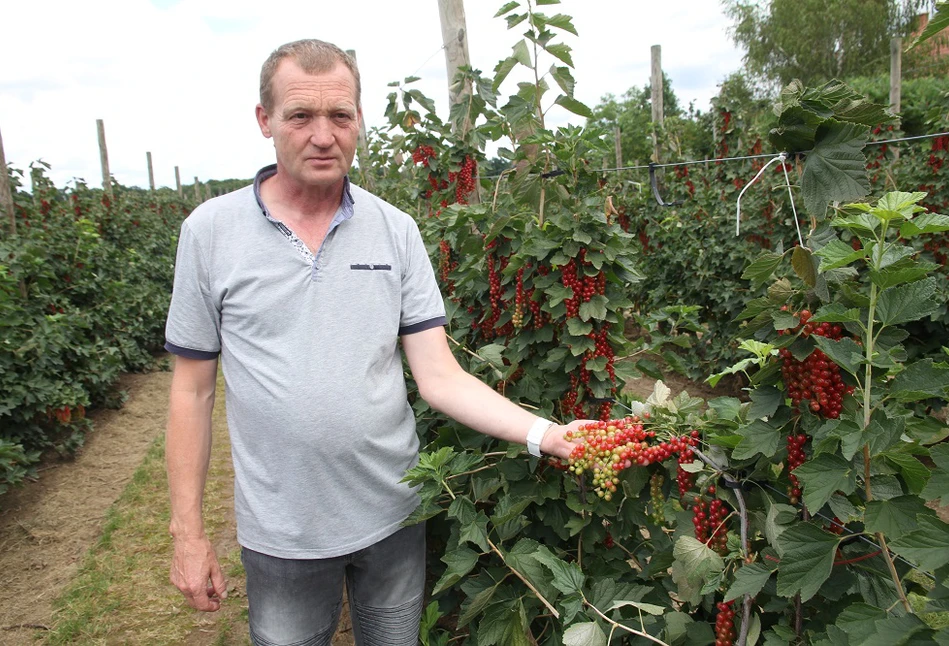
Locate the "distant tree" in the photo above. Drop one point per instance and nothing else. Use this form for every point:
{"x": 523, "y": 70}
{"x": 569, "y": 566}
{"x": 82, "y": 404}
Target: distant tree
{"x": 633, "y": 114}
{"x": 818, "y": 40}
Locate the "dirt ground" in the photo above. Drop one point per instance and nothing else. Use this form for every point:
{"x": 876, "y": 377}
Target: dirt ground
{"x": 47, "y": 526}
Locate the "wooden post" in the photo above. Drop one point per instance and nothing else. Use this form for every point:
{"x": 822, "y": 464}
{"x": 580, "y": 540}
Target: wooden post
{"x": 362, "y": 149}
{"x": 455, "y": 41}
{"x": 896, "y": 80}
{"x": 104, "y": 159}
{"x": 656, "y": 86}
{"x": 6, "y": 194}
{"x": 197, "y": 189}
{"x": 618, "y": 146}
{"x": 178, "y": 180}
{"x": 151, "y": 171}
{"x": 207, "y": 192}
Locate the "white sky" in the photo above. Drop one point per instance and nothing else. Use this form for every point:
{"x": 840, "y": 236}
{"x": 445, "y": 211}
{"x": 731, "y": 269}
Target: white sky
{"x": 179, "y": 78}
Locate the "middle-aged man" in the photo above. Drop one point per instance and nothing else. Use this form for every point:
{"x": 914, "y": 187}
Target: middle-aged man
{"x": 304, "y": 284}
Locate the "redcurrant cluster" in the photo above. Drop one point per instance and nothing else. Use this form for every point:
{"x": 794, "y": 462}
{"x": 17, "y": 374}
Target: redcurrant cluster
{"x": 684, "y": 479}
{"x": 725, "y": 624}
{"x": 445, "y": 266}
{"x": 708, "y": 520}
{"x": 463, "y": 180}
{"x": 817, "y": 378}
{"x": 609, "y": 447}
{"x": 796, "y": 458}
{"x": 518, "y": 317}
{"x": 656, "y": 498}
{"x": 422, "y": 154}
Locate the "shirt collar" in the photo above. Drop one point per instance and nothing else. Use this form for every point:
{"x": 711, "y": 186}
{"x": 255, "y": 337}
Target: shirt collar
{"x": 346, "y": 207}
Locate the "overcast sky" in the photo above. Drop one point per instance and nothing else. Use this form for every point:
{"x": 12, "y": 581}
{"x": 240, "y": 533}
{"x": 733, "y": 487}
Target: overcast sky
{"x": 179, "y": 78}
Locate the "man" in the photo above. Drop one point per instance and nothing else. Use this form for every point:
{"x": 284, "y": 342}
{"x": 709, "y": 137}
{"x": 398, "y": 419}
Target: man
{"x": 304, "y": 284}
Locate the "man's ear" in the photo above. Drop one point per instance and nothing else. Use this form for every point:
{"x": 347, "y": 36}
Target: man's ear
{"x": 263, "y": 121}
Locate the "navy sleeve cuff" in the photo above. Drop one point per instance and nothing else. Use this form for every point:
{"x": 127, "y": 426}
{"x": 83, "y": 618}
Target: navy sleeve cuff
{"x": 423, "y": 325}
{"x": 188, "y": 353}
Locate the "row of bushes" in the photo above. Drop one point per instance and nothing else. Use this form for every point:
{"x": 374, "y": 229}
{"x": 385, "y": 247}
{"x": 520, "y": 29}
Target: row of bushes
{"x": 85, "y": 283}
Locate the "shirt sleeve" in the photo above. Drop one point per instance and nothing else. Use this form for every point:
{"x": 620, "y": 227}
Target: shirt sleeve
{"x": 422, "y": 304}
{"x": 193, "y": 327}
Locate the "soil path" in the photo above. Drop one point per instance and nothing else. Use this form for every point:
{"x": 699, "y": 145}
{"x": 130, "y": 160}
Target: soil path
{"x": 47, "y": 526}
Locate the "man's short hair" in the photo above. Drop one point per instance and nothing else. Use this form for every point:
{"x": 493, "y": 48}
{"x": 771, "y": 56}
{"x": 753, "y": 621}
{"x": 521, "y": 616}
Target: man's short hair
{"x": 314, "y": 57}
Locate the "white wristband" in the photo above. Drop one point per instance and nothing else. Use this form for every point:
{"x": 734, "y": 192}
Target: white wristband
{"x": 536, "y": 435}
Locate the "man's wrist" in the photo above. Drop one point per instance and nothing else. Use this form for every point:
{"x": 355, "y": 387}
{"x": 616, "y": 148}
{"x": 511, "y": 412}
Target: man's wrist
{"x": 535, "y": 436}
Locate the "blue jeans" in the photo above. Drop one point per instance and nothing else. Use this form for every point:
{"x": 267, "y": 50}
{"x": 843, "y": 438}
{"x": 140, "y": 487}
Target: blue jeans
{"x": 298, "y": 602}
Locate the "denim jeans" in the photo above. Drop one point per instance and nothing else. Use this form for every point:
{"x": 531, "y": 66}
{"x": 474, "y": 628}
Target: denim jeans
{"x": 298, "y": 602}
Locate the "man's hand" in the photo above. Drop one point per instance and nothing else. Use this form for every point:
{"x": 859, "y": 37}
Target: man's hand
{"x": 196, "y": 572}
{"x": 554, "y": 442}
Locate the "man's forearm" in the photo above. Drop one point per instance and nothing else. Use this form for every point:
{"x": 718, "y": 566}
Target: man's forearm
{"x": 470, "y": 401}
{"x": 187, "y": 454}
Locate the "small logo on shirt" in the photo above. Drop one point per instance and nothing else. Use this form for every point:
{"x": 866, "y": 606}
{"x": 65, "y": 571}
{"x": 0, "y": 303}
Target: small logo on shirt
{"x": 372, "y": 267}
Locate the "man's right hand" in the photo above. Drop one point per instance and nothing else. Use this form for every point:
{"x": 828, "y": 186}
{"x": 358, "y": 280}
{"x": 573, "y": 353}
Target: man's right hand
{"x": 196, "y": 572}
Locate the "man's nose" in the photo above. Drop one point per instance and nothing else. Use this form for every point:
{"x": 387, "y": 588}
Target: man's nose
{"x": 321, "y": 134}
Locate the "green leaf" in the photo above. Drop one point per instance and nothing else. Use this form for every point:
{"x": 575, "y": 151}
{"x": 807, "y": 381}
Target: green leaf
{"x": 749, "y": 579}
{"x": 907, "y": 302}
{"x": 914, "y": 472}
{"x": 493, "y": 353}
{"x": 587, "y": 633}
{"x": 925, "y": 223}
{"x": 757, "y": 437}
{"x": 476, "y": 531}
{"x": 893, "y": 517}
{"x": 507, "y": 8}
{"x": 836, "y": 313}
{"x": 845, "y": 352}
{"x": 595, "y": 308}
{"x": 764, "y": 402}
{"x": 695, "y": 564}
{"x": 824, "y": 475}
{"x": 920, "y": 380}
{"x": 562, "y": 52}
{"x": 925, "y": 545}
{"x": 460, "y": 562}
{"x": 477, "y": 603}
{"x": 938, "y": 486}
{"x": 838, "y": 254}
{"x": 556, "y": 294}
{"x": 568, "y": 578}
{"x": 564, "y": 79}
{"x": 803, "y": 264}
{"x": 892, "y": 276}
{"x": 522, "y": 54}
{"x": 896, "y": 631}
{"x": 937, "y": 23}
{"x": 835, "y": 169}
{"x": 502, "y": 69}
{"x": 504, "y": 624}
{"x": 807, "y": 558}
{"x": 574, "y": 106}
{"x": 561, "y": 21}
{"x": 576, "y": 327}
{"x": 760, "y": 271}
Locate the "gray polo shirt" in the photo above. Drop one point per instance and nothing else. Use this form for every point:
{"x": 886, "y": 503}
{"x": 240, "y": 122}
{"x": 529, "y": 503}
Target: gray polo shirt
{"x": 321, "y": 430}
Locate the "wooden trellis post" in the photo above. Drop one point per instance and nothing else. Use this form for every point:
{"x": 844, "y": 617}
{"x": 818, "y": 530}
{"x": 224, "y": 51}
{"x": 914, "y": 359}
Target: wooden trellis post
{"x": 455, "y": 39}
{"x": 151, "y": 171}
{"x": 656, "y": 87}
{"x": 178, "y": 181}
{"x": 363, "y": 145}
{"x": 197, "y": 189}
{"x": 104, "y": 159}
{"x": 896, "y": 80}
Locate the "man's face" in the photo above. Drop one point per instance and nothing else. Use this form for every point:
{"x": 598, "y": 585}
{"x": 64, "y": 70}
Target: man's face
{"x": 314, "y": 123}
